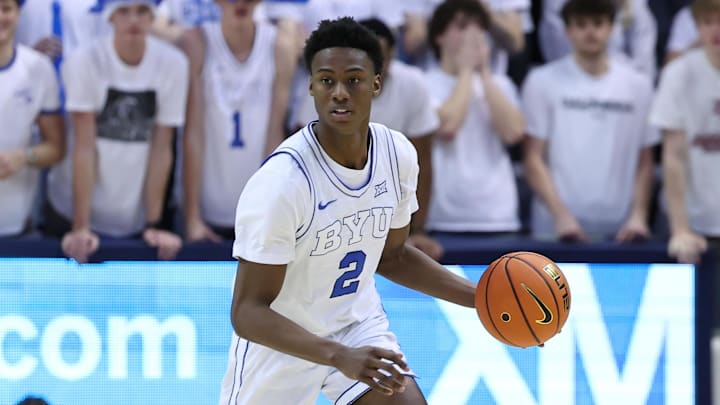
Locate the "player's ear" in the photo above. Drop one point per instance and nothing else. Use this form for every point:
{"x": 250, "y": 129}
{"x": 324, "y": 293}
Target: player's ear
{"x": 377, "y": 85}
{"x": 310, "y": 87}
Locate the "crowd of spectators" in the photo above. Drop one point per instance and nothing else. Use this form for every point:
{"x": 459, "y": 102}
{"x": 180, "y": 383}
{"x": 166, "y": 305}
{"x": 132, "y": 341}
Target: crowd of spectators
{"x": 575, "y": 120}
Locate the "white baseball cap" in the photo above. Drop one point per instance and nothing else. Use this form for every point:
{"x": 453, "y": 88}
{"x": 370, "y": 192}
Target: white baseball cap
{"x": 109, "y": 6}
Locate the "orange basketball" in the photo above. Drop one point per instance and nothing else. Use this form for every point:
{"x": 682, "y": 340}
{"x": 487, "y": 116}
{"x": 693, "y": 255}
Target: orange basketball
{"x": 523, "y": 299}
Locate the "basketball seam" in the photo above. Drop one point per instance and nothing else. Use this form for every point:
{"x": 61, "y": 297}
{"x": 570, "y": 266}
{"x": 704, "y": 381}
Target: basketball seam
{"x": 517, "y": 300}
{"x": 487, "y": 305}
{"x": 557, "y": 304}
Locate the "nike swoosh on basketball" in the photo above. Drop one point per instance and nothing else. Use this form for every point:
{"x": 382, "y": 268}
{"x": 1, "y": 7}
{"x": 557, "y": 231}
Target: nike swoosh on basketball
{"x": 545, "y": 310}
{"x": 322, "y": 206}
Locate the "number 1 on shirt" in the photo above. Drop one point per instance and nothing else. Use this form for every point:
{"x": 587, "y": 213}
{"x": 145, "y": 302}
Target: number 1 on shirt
{"x": 237, "y": 141}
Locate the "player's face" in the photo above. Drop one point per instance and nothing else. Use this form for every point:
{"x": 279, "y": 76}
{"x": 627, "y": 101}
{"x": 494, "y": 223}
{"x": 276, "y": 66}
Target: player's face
{"x": 343, "y": 83}
{"x": 132, "y": 22}
{"x": 9, "y": 16}
{"x": 709, "y": 31}
{"x": 589, "y": 34}
{"x": 238, "y": 9}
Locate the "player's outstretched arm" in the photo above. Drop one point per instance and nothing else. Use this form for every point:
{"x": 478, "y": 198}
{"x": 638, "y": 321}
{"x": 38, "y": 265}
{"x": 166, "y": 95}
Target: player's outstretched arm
{"x": 412, "y": 268}
{"x": 257, "y": 286}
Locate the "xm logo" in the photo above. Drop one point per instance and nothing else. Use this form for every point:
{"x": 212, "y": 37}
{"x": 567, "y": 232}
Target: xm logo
{"x": 661, "y": 341}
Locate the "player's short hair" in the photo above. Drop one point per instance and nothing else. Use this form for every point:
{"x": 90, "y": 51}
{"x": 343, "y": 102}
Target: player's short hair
{"x": 343, "y": 32}
{"x": 445, "y": 13}
{"x": 380, "y": 29}
{"x": 699, "y": 8}
{"x": 588, "y": 8}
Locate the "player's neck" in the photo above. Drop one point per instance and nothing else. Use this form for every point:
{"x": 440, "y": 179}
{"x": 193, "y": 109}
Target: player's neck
{"x": 594, "y": 65}
{"x": 347, "y": 149}
{"x": 130, "y": 52}
{"x": 239, "y": 37}
{"x": 713, "y": 57}
{"x": 7, "y": 50}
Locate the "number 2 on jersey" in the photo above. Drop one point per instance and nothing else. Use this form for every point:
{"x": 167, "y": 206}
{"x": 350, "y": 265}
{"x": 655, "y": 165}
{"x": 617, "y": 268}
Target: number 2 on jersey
{"x": 237, "y": 141}
{"x": 347, "y": 283}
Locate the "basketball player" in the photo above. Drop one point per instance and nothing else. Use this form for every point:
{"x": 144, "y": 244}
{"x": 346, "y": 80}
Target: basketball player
{"x": 328, "y": 209}
{"x": 405, "y": 106}
{"x": 125, "y": 94}
{"x": 239, "y": 91}
{"x": 29, "y": 95}
{"x": 588, "y": 157}
{"x": 687, "y": 109}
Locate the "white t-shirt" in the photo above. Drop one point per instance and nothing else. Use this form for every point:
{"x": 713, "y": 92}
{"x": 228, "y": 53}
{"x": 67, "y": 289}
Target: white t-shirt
{"x": 473, "y": 188}
{"x": 128, "y": 102}
{"x": 683, "y": 33}
{"x": 238, "y": 103}
{"x": 79, "y": 25}
{"x": 403, "y": 104}
{"x": 688, "y": 99}
{"x": 595, "y": 128}
{"x": 636, "y": 42}
{"x": 328, "y": 223}
{"x": 29, "y": 88}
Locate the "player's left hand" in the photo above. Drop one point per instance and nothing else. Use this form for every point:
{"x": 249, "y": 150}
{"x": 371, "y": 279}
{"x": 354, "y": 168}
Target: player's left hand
{"x": 634, "y": 230}
{"x": 373, "y": 366}
{"x": 11, "y": 161}
{"x": 167, "y": 243}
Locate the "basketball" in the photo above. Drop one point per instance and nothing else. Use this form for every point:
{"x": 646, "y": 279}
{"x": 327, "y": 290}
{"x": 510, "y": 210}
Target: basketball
{"x": 523, "y": 299}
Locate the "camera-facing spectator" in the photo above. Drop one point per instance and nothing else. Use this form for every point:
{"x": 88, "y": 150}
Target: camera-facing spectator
{"x": 687, "y": 109}
{"x": 240, "y": 78}
{"x": 29, "y": 95}
{"x": 125, "y": 94}
{"x": 474, "y": 186}
{"x": 588, "y": 156}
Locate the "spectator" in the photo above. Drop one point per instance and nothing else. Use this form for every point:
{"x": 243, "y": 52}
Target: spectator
{"x": 687, "y": 109}
{"x": 403, "y": 105}
{"x": 125, "y": 94}
{"x": 634, "y": 33}
{"x": 683, "y": 35}
{"x": 509, "y": 20}
{"x": 239, "y": 90}
{"x": 58, "y": 27}
{"x": 473, "y": 181}
{"x": 589, "y": 154}
{"x": 29, "y": 94}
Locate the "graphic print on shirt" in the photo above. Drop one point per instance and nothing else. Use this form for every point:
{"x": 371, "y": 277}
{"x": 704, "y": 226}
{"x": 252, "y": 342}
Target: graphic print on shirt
{"x": 127, "y": 116}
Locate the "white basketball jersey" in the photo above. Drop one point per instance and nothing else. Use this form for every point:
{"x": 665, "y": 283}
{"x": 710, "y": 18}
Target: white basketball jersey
{"x": 330, "y": 233}
{"x": 29, "y": 87}
{"x": 238, "y": 98}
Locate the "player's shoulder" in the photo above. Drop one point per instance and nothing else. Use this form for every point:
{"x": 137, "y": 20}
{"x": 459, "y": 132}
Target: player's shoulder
{"x": 396, "y": 140}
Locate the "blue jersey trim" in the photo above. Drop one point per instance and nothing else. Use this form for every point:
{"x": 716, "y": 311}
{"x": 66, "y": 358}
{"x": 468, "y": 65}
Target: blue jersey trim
{"x": 232, "y": 389}
{"x": 316, "y": 149}
{"x": 11, "y": 61}
{"x": 345, "y": 392}
{"x": 242, "y": 369}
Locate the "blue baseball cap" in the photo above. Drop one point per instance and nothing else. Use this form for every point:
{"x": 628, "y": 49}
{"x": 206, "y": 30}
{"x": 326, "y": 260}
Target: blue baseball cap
{"x": 108, "y": 7}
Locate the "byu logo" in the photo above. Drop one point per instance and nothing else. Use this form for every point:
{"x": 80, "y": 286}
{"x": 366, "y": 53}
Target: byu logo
{"x": 381, "y": 188}
{"x": 350, "y": 230}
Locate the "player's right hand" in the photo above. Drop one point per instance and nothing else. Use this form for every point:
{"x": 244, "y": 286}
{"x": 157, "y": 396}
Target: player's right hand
{"x": 687, "y": 246}
{"x": 198, "y": 231}
{"x": 80, "y": 244}
{"x": 568, "y": 229}
{"x": 365, "y": 363}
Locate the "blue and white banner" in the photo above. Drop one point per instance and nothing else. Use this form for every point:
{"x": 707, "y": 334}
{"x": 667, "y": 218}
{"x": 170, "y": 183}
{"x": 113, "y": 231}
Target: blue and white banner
{"x": 158, "y": 333}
